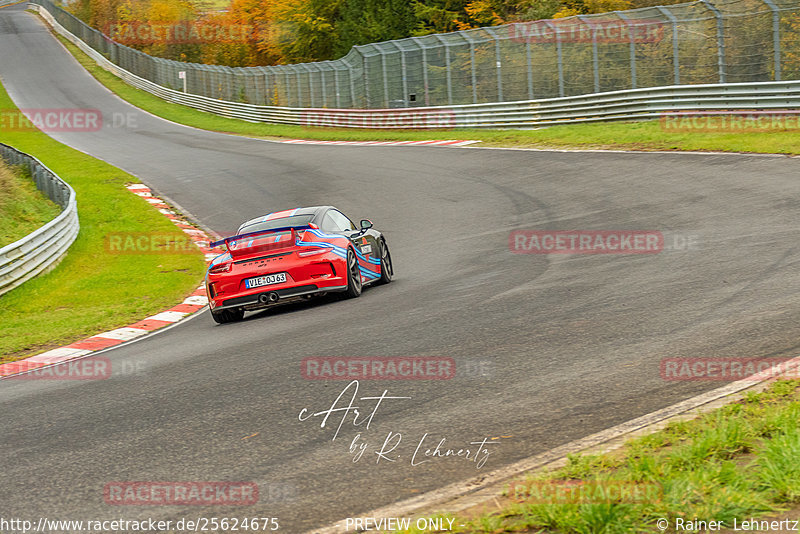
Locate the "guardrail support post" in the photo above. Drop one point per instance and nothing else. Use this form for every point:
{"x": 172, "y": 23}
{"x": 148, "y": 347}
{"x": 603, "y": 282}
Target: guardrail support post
{"x": 776, "y": 38}
{"x": 720, "y": 39}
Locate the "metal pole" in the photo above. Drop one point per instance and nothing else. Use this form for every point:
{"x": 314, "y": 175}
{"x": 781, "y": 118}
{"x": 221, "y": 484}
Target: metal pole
{"x": 288, "y": 87}
{"x": 447, "y": 69}
{"x": 776, "y": 38}
{"x": 299, "y": 94}
{"x": 385, "y": 77}
{"x": 675, "y": 57}
{"x": 336, "y": 85}
{"x": 499, "y": 63}
{"x": 528, "y": 57}
{"x": 322, "y": 84}
{"x": 424, "y": 69}
{"x": 368, "y": 103}
{"x": 629, "y": 24}
{"x": 473, "y": 71}
{"x": 405, "y": 72}
{"x": 595, "y": 60}
{"x": 559, "y": 58}
{"x": 720, "y": 40}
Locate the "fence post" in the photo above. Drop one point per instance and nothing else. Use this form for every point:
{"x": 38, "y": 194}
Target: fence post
{"x": 422, "y": 47}
{"x": 720, "y": 39}
{"x": 559, "y": 57}
{"x": 529, "y": 59}
{"x": 675, "y": 58}
{"x": 403, "y": 67}
{"x": 499, "y": 63}
{"x": 288, "y": 86}
{"x": 595, "y": 60}
{"x": 628, "y": 23}
{"x": 336, "y": 85}
{"x": 776, "y": 38}
{"x": 447, "y": 69}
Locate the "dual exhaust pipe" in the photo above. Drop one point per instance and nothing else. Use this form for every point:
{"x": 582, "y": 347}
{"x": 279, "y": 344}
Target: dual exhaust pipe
{"x": 264, "y": 298}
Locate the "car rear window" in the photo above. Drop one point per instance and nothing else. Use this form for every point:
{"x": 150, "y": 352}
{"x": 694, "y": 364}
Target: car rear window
{"x": 295, "y": 220}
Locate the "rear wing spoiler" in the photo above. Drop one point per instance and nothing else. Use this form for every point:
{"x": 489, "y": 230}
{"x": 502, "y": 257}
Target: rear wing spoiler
{"x": 262, "y": 233}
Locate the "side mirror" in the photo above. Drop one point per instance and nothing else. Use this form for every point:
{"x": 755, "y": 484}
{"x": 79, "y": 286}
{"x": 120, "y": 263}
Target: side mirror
{"x": 366, "y": 224}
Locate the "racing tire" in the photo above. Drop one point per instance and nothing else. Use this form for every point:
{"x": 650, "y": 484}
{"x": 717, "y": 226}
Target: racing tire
{"x": 354, "y": 284}
{"x": 387, "y": 268}
{"x": 230, "y": 315}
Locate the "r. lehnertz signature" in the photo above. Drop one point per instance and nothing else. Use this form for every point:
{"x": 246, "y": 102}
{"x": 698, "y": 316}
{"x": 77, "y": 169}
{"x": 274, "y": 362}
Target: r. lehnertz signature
{"x": 362, "y": 418}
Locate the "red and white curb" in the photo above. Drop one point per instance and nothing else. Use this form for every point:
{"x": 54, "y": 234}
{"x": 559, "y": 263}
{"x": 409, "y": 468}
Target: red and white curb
{"x": 379, "y": 143}
{"x": 191, "y": 304}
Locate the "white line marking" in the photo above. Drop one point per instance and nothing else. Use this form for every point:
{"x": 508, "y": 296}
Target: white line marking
{"x": 123, "y": 334}
{"x": 168, "y": 316}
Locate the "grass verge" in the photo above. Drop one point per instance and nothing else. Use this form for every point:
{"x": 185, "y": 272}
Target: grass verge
{"x": 736, "y": 462}
{"x": 644, "y": 135}
{"x": 23, "y": 208}
{"x": 92, "y": 289}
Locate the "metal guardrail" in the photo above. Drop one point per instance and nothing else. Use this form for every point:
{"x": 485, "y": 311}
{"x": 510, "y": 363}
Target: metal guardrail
{"x": 630, "y": 104}
{"x": 39, "y": 251}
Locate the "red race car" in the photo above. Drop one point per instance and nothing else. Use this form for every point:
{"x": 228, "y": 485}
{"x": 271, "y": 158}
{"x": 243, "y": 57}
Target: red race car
{"x": 294, "y": 254}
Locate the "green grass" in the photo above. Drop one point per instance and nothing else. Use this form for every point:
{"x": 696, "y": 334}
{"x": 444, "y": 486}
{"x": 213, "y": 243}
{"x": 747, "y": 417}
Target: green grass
{"x": 92, "y": 290}
{"x": 23, "y": 208}
{"x": 644, "y": 135}
{"x": 739, "y": 461}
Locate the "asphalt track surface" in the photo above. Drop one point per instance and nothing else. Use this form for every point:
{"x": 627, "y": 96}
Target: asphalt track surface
{"x": 571, "y": 344}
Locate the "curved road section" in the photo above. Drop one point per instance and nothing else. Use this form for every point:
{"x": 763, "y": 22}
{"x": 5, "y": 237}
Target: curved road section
{"x": 547, "y": 348}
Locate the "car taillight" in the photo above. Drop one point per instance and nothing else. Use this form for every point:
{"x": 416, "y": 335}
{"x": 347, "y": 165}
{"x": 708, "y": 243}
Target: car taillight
{"x": 312, "y": 252}
{"x": 220, "y": 268}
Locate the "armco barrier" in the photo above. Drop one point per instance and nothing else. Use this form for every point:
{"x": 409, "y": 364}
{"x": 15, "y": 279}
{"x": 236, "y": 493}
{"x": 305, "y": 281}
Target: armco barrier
{"x": 39, "y": 250}
{"x": 630, "y": 104}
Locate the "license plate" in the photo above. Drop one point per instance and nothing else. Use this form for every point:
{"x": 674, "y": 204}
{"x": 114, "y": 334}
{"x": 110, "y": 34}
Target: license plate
{"x": 267, "y": 280}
